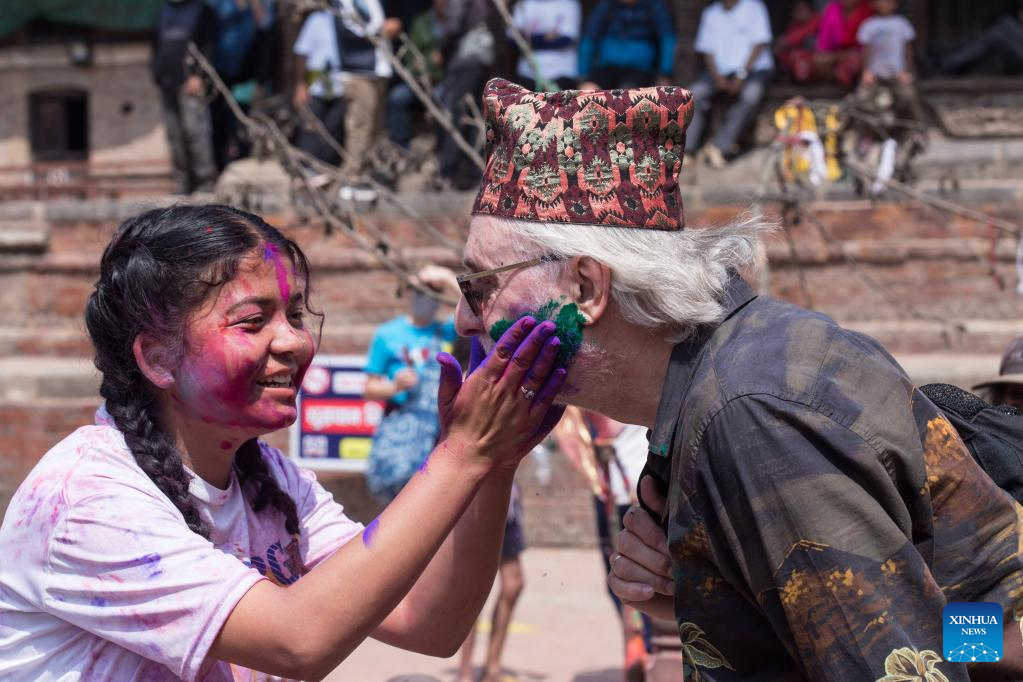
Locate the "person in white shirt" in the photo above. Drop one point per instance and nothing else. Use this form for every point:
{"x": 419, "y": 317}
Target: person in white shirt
{"x": 168, "y": 542}
{"x": 734, "y": 39}
{"x": 551, "y": 27}
{"x": 887, "y": 40}
{"x": 341, "y": 76}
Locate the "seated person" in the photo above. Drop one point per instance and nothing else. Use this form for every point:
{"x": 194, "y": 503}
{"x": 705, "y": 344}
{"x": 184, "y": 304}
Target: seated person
{"x": 627, "y": 44}
{"x": 795, "y": 48}
{"x": 733, "y": 39}
{"x": 552, "y": 29}
{"x": 402, "y": 102}
{"x": 1003, "y": 41}
{"x": 838, "y": 58}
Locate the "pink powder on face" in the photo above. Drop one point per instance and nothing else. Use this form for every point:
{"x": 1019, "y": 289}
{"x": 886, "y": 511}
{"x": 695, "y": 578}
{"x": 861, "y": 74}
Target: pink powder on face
{"x": 218, "y": 379}
{"x": 272, "y": 253}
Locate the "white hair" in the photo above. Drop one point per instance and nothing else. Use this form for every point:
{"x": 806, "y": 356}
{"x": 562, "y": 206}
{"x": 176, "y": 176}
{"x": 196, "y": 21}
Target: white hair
{"x": 660, "y": 280}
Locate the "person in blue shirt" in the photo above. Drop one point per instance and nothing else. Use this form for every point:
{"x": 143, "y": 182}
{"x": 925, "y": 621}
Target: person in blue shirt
{"x": 627, "y": 44}
{"x": 401, "y": 355}
{"x": 402, "y": 371}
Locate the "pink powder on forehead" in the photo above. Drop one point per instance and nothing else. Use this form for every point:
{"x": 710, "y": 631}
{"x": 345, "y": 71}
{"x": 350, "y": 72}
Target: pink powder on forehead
{"x": 273, "y": 253}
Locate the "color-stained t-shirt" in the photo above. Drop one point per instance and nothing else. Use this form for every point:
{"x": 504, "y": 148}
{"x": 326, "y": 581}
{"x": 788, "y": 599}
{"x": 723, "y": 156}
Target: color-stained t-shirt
{"x": 822, "y": 512}
{"x": 101, "y": 578}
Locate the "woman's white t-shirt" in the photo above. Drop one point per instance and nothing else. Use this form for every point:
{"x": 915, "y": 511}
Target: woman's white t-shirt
{"x": 101, "y": 579}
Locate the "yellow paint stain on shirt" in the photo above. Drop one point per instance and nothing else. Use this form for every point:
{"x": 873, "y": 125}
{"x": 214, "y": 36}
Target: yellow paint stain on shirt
{"x": 880, "y": 620}
{"x": 839, "y": 578}
{"x": 795, "y": 589}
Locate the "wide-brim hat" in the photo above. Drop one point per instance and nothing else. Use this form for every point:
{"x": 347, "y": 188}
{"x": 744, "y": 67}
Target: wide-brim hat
{"x": 1011, "y": 369}
{"x": 589, "y": 157}
{"x": 1000, "y": 379}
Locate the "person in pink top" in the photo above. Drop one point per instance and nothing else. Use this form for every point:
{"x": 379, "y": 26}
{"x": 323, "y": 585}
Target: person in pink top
{"x": 167, "y": 541}
{"x": 838, "y": 56}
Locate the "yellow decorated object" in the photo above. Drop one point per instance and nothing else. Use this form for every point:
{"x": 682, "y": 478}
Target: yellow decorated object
{"x": 792, "y": 119}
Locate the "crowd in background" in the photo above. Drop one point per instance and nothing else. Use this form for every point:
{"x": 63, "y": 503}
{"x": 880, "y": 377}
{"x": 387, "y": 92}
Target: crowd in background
{"x": 342, "y": 74}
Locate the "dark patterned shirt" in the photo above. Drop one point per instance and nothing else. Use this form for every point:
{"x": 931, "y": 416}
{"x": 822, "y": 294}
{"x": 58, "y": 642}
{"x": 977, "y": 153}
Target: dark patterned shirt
{"x": 821, "y": 510}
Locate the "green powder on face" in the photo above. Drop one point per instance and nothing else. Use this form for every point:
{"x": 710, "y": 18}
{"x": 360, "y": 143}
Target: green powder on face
{"x": 568, "y": 322}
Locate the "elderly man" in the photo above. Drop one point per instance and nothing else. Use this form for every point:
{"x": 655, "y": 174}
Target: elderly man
{"x": 821, "y": 512}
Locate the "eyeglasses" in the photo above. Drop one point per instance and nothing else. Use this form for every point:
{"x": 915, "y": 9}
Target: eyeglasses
{"x": 475, "y": 298}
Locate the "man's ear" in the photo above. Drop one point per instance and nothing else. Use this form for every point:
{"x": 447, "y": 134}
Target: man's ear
{"x": 154, "y": 360}
{"x": 591, "y": 286}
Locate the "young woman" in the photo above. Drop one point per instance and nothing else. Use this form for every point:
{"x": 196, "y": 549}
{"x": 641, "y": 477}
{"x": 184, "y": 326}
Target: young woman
{"x": 168, "y": 542}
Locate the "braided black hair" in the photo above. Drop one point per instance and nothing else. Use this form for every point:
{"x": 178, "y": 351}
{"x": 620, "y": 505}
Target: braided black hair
{"x": 159, "y": 267}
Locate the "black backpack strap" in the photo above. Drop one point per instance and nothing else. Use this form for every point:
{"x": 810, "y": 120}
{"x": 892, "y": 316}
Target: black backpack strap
{"x": 992, "y": 434}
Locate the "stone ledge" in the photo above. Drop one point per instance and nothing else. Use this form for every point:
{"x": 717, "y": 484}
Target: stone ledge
{"x": 28, "y": 379}
{"x": 24, "y": 238}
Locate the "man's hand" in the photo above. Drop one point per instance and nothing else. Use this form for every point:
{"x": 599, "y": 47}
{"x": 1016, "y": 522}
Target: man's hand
{"x": 721, "y": 83}
{"x": 301, "y": 96}
{"x": 869, "y": 79}
{"x": 588, "y": 85}
{"x": 193, "y": 86}
{"x": 641, "y": 567}
{"x": 905, "y": 77}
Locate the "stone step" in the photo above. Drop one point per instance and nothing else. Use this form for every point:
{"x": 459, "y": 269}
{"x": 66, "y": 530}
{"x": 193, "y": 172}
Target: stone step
{"x": 28, "y": 379}
{"x": 23, "y": 237}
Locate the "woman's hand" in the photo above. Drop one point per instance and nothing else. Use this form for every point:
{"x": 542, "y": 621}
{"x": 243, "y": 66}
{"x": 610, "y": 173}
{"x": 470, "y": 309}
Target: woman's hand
{"x": 504, "y": 407}
{"x": 641, "y": 567}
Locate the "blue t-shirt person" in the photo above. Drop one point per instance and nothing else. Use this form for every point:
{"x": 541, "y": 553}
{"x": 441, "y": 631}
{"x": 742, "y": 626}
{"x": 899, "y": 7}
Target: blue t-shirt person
{"x": 399, "y": 344}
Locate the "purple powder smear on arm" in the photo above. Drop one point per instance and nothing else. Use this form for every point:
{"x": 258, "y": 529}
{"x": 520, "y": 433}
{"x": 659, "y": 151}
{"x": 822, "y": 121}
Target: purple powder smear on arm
{"x": 370, "y": 532}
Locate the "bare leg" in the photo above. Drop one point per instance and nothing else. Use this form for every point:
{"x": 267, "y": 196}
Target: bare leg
{"x": 512, "y": 582}
{"x": 465, "y": 665}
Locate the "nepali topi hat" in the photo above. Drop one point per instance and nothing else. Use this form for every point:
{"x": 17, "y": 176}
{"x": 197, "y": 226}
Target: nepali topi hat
{"x": 596, "y": 157}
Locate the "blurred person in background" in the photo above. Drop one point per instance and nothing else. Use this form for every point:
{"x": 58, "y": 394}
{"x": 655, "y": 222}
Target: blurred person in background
{"x": 627, "y": 44}
{"x": 610, "y": 456}
{"x": 839, "y": 57}
{"x": 551, "y": 27}
{"x": 402, "y": 104}
{"x": 185, "y": 112}
{"x": 734, "y": 39}
{"x": 794, "y": 49}
{"x": 338, "y": 59}
{"x": 402, "y": 371}
{"x": 239, "y": 22}
{"x": 1002, "y": 41}
{"x": 511, "y": 582}
{"x": 319, "y": 84}
{"x": 466, "y": 55}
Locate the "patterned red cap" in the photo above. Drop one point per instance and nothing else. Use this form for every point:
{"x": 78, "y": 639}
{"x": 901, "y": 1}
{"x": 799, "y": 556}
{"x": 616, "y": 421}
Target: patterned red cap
{"x": 601, "y": 157}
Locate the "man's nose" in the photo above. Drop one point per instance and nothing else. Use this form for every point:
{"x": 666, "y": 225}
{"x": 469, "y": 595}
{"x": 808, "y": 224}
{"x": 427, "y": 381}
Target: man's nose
{"x": 467, "y": 323}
